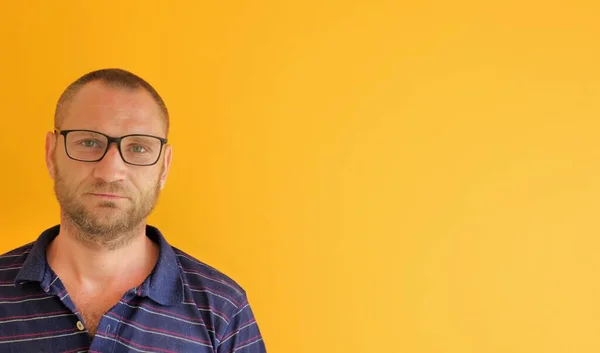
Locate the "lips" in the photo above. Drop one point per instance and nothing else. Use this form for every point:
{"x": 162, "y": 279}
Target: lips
{"x": 108, "y": 196}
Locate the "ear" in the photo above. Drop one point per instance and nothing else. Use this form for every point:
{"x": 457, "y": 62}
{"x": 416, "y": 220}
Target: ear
{"x": 166, "y": 165}
{"x": 50, "y": 151}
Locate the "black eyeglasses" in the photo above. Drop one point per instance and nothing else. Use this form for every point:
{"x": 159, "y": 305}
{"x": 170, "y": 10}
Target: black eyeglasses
{"x": 91, "y": 146}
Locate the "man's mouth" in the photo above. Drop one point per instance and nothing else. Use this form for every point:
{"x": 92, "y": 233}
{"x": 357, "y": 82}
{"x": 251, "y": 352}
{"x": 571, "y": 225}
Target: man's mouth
{"x": 108, "y": 196}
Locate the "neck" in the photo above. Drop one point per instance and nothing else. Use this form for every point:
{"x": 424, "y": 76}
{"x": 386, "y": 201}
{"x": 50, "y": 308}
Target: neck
{"x": 125, "y": 262}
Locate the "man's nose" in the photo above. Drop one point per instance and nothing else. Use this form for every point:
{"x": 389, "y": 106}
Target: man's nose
{"x": 111, "y": 167}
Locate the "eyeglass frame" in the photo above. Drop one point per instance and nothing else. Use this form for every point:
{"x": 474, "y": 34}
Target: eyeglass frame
{"x": 110, "y": 141}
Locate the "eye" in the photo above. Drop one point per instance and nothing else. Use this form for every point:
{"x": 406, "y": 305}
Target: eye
{"x": 89, "y": 143}
{"x": 138, "y": 149}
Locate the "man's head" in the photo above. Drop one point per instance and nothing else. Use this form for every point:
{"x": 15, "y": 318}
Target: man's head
{"x": 107, "y": 198}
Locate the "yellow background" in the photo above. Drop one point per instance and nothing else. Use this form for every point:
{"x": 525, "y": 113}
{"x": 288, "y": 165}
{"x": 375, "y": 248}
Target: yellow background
{"x": 394, "y": 176}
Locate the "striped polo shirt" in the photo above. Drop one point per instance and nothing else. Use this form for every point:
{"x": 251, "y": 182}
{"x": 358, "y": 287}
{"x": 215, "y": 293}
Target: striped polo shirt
{"x": 182, "y": 306}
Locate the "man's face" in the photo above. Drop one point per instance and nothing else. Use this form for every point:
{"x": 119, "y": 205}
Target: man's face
{"x": 107, "y": 198}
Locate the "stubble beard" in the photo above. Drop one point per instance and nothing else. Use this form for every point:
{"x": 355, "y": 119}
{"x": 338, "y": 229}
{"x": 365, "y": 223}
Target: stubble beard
{"x": 106, "y": 225}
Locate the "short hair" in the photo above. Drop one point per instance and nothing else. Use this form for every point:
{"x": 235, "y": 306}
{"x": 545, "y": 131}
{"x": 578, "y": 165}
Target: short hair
{"x": 115, "y": 78}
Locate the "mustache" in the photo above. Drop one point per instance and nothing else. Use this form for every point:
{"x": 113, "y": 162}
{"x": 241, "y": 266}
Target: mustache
{"x": 106, "y": 188}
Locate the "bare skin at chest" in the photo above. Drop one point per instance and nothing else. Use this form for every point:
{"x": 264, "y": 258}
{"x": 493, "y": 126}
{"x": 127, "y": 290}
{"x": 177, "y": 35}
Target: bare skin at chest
{"x": 92, "y": 306}
{"x": 102, "y": 278}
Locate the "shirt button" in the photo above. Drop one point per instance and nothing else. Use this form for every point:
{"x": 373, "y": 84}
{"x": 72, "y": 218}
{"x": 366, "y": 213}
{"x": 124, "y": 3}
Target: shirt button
{"x": 80, "y": 326}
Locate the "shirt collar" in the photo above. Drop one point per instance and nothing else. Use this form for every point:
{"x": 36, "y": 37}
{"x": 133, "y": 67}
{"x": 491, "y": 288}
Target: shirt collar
{"x": 164, "y": 285}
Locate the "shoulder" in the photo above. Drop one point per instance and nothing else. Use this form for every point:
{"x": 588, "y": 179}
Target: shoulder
{"x": 223, "y": 303}
{"x": 20, "y": 252}
{"x": 207, "y": 282}
{"x": 11, "y": 262}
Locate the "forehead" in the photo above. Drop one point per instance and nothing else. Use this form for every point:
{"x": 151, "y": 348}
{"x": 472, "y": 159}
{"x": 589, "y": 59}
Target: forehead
{"x": 114, "y": 111}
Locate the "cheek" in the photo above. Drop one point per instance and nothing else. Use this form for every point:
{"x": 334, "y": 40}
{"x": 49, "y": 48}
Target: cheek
{"x": 152, "y": 182}
{"x": 143, "y": 183}
{"x": 72, "y": 177}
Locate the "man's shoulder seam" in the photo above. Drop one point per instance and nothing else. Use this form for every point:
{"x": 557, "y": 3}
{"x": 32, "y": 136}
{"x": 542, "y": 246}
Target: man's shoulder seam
{"x": 198, "y": 273}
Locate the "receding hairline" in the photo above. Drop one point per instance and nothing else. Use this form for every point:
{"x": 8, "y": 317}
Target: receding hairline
{"x": 113, "y": 78}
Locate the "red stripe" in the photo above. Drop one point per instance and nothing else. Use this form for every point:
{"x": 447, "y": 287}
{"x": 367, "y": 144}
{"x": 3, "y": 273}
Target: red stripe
{"x": 214, "y": 310}
{"x": 238, "y": 330}
{"x": 189, "y": 318}
{"x": 39, "y": 334}
{"x": 216, "y": 279}
{"x": 152, "y": 329}
{"x": 83, "y": 348}
{"x": 25, "y": 297}
{"x": 13, "y": 265}
{"x": 34, "y": 315}
{"x": 10, "y": 253}
{"x": 217, "y": 292}
{"x": 255, "y": 338}
{"x": 118, "y": 338}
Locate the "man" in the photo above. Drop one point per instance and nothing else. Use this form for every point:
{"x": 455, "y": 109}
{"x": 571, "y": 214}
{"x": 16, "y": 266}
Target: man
{"x": 103, "y": 280}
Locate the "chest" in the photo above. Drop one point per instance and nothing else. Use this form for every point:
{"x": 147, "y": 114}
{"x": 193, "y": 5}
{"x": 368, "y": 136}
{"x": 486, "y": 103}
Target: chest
{"x": 92, "y": 306}
{"x": 134, "y": 324}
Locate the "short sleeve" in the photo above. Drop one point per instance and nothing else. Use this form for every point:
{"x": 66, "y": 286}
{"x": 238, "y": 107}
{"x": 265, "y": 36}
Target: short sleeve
{"x": 242, "y": 334}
